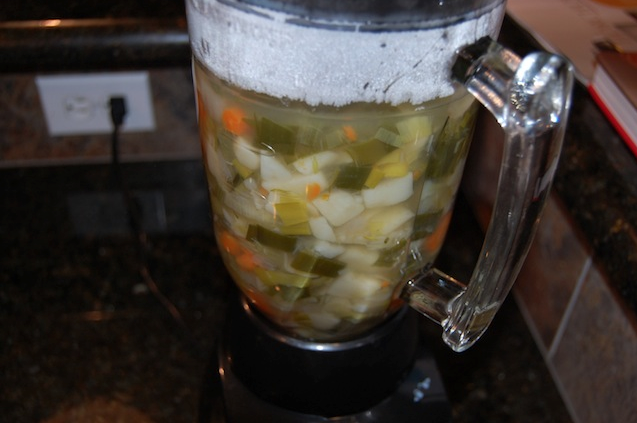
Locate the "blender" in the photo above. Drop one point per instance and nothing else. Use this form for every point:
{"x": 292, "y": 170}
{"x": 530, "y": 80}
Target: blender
{"x": 334, "y": 136}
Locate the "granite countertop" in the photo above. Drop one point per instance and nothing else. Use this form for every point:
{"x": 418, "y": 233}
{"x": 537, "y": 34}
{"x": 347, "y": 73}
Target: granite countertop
{"x": 596, "y": 176}
{"x": 85, "y": 336}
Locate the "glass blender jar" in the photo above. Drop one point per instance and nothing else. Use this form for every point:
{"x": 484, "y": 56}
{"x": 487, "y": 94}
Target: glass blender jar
{"x": 334, "y": 136}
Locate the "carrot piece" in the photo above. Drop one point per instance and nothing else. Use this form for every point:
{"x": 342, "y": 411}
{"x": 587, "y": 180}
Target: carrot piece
{"x": 312, "y": 191}
{"x": 230, "y": 244}
{"x": 263, "y": 192}
{"x": 201, "y": 108}
{"x": 350, "y": 133}
{"x": 246, "y": 261}
{"x": 434, "y": 241}
{"x": 233, "y": 120}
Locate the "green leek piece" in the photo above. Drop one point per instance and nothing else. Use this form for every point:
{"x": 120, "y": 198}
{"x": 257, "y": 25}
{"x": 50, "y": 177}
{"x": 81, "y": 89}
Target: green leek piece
{"x": 388, "y": 256}
{"x": 414, "y": 128}
{"x": 388, "y": 136}
{"x": 352, "y": 177}
{"x": 395, "y": 170}
{"x": 242, "y": 170}
{"x": 369, "y": 152}
{"x": 317, "y": 265}
{"x": 308, "y": 136}
{"x": 449, "y": 147}
{"x": 375, "y": 176}
{"x": 274, "y": 278}
{"x": 425, "y": 224}
{"x": 276, "y": 138}
{"x": 298, "y": 229}
{"x": 291, "y": 212}
{"x": 332, "y": 139}
{"x": 270, "y": 238}
{"x": 289, "y": 293}
{"x": 224, "y": 144}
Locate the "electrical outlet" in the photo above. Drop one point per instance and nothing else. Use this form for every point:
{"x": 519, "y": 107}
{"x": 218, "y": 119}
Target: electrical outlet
{"x": 79, "y": 104}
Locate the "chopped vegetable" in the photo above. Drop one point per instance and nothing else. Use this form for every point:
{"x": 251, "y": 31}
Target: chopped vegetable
{"x": 389, "y": 256}
{"x": 425, "y": 224}
{"x": 229, "y": 243}
{"x": 320, "y": 212}
{"x": 355, "y": 285}
{"x": 246, "y": 154}
{"x": 287, "y": 207}
{"x": 272, "y": 169}
{"x": 312, "y": 190}
{"x": 243, "y": 171}
{"x": 278, "y": 139}
{"x": 233, "y": 121}
{"x": 315, "y": 162}
{"x": 388, "y": 136}
{"x": 350, "y": 133}
{"x": 270, "y": 238}
{"x": 434, "y": 241}
{"x": 277, "y": 277}
{"x": 389, "y": 192}
{"x": 321, "y": 229}
{"x": 375, "y": 176}
{"x": 298, "y": 184}
{"x": 246, "y": 260}
{"x": 369, "y": 152}
{"x": 352, "y": 177}
{"x": 339, "y": 207}
{"x": 359, "y": 258}
{"x": 312, "y": 263}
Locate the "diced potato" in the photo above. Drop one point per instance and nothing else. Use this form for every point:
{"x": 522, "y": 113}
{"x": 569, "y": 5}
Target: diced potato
{"x": 389, "y": 192}
{"x": 327, "y": 249}
{"x": 359, "y": 257}
{"x": 389, "y": 219}
{"x": 339, "y": 206}
{"x": 273, "y": 169}
{"x": 246, "y": 154}
{"x": 372, "y": 306}
{"x": 354, "y": 285}
{"x": 323, "y": 320}
{"x": 296, "y": 183}
{"x": 321, "y": 229}
{"x": 315, "y": 162}
{"x": 219, "y": 168}
{"x": 417, "y": 127}
{"x": 247, "y": 208}
{"x": 377, "y": 228}
{"x": 438, "y": 195}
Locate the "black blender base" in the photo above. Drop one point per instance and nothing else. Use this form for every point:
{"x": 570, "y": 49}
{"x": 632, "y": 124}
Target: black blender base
{"x": 387, "y": 375}
{"x": 420, "y": 398}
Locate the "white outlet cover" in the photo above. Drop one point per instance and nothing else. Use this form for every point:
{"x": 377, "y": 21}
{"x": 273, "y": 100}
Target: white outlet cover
{"x": 79, "y": 104}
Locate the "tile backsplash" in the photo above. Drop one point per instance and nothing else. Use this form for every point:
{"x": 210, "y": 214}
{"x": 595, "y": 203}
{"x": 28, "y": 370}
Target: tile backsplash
{"x": 24, "y": 138}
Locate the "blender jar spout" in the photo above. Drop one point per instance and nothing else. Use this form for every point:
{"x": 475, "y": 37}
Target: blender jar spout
{"x": 530, "y": 98}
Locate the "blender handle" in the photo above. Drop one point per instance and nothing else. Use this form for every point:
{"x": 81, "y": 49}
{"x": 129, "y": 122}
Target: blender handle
{"x": 530, "y": 99}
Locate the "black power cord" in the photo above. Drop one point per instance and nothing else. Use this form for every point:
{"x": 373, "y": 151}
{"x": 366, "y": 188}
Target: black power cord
{"x": 118, "y": 113}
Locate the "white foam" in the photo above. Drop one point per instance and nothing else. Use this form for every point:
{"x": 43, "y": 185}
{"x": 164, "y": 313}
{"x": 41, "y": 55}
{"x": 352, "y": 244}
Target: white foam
{"x": 323, "y": 66}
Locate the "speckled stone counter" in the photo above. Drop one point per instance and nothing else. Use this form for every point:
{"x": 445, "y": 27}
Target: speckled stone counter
{"x": 86, "y": 336}
{"x": 597, "y": 173}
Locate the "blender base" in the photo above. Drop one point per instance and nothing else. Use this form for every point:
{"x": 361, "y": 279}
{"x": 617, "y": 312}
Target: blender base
{"x": 418, "y": 396}
{"x": 419, "y": 399}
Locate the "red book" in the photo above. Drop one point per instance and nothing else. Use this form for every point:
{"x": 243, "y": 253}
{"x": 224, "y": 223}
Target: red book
{"x": 614, "y": 89}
